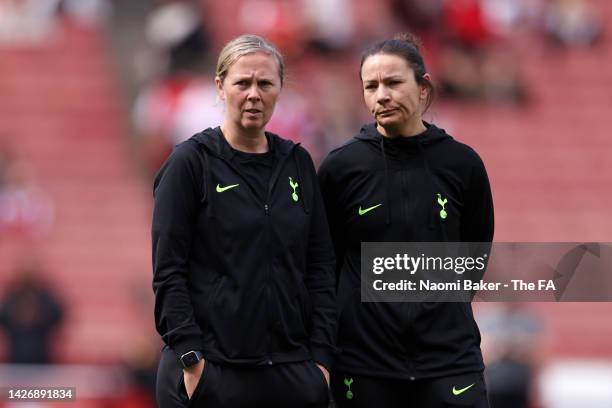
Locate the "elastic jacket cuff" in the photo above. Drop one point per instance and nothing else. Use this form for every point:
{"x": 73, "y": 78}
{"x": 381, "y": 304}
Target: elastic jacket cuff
{"x": 186, "y": 344}
{"x": 323, "y": 356}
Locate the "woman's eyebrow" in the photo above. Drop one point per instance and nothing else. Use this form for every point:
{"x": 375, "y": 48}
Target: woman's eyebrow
{"x": 392, "y": 77}
{"x": 385, "y": 78}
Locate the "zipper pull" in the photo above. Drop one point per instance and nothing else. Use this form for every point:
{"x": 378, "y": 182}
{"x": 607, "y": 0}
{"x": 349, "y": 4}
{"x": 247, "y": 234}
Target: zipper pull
{"x": 266, "y": 209}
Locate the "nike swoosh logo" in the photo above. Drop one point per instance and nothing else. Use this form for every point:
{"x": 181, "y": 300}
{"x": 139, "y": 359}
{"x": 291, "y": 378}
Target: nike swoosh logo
{"x": 367, "y": 210}
{"x": 461, "y": 391}
{"x": 222, "y": 189}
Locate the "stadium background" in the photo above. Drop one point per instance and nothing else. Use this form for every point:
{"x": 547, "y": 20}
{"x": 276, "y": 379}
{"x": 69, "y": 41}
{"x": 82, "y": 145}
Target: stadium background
{"x": 93, "y": 93}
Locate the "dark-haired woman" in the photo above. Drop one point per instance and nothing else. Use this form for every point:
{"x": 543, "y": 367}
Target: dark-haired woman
{"x": 403, "y": 179}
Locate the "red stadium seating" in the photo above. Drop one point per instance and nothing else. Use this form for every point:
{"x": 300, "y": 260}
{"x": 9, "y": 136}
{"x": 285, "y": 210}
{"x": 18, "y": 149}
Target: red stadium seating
{"x": 61, "y": 107}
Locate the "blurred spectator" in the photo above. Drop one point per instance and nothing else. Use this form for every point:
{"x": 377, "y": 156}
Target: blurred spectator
{"x": 295, "y": 120}
{"x": 328, "y": 24}
{"x": 458, "y": 74}
{"x": 276, "y": 20}
{"x": 571, "y": 23}
{"x": 178, "y": 101}
{"x": 476, "y": 63}
{"x": 373, "y": 20}
{"x": 31, "y": 21}
{"x": 26, "y": 212}
{"x": 85, "y": 12}
{"x": 175, "y": 35}
{"x": 26, "y": 21}
{"x": 506, "y": 17}
{"x": 170, "y": 111}
{"x": 29, "y": 315}
{"x": 332, "y": 92}
{"x": 465, "y": 24}
{"x": 501, "y": 76}
{"x": 421, "y": 17}
{"x": 510, "y": 335}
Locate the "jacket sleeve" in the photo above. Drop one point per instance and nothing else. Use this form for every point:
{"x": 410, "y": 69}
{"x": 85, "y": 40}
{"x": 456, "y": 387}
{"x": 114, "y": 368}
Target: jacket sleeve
{"x": 477, "y": 223}
{"x": 334, "y": 217}
{"x": 177, "y": 192}
{"x": 319, "y": 280}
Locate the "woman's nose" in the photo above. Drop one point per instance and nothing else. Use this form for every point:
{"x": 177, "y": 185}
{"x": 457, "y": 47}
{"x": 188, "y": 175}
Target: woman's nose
{"x": 382, "y": 94}
{"x": 253, "y": 94}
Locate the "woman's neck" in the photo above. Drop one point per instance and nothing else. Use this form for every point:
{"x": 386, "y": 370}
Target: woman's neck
{"x": 244, "y": 141}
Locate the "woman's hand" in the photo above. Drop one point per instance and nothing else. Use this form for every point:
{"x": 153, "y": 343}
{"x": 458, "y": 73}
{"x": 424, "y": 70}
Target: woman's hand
{"x": 325, "y": 373}
{"x": 191, "y": 377}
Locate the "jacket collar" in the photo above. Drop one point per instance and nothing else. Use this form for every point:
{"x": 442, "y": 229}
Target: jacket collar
{"x": 216, "y": 144}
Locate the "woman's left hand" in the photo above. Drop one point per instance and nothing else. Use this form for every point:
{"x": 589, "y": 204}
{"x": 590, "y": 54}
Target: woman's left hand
{"x": 325, "y": 373}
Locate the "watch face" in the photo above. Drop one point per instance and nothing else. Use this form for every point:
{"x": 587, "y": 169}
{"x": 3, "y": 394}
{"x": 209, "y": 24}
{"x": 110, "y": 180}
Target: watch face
{"x": 189, "y": 359}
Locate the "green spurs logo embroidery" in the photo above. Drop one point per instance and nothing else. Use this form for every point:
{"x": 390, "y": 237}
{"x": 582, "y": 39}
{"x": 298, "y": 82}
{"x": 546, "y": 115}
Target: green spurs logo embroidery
{"x": 294, "y": 185}
{"x": 443, "y": 213}
{"x": 348, "y": 383}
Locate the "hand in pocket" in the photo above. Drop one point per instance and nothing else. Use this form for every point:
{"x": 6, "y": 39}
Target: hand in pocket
{"x": 325, "y": 372}
{"x": 191, "y": 377}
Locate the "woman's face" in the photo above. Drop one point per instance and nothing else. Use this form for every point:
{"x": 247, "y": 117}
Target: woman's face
{"x": 391, "y": 92}
{"x": 250, "y": 90}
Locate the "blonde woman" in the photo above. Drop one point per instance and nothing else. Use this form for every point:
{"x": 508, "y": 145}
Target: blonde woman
{"x": 242, "y": 257}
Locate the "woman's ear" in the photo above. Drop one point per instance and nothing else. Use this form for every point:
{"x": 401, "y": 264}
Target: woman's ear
{"x": 425, "y": 90}
{"x": 219, "y": 86}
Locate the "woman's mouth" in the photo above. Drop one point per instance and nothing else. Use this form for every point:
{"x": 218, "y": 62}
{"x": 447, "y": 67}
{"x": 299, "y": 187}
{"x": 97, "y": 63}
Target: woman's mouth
{"x": 386, "y": 112}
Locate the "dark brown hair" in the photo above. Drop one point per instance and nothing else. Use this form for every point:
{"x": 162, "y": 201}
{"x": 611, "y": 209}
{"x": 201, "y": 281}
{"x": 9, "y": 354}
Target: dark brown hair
{"x": 408, "y": 47}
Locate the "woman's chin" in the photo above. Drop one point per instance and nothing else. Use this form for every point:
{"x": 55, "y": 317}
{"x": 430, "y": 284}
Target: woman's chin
{"x": 253, "y": 124}
{"x": 391, "y": 119}
{"x": 388, "y": 124}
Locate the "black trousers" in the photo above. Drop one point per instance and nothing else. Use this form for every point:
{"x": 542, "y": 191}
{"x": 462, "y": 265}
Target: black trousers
{"x": 355, "y": 391}
{"x": 286, "y": 385}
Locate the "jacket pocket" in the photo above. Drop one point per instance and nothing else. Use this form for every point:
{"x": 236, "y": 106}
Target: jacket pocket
{"x": 319, "y": 374}
{"x": 197, "y": 393}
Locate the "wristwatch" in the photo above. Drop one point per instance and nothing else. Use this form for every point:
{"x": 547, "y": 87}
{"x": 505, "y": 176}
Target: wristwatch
{"x": 191, "y": 358}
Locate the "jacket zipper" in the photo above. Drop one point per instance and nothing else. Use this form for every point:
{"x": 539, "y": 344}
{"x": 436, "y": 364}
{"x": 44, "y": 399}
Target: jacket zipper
{"x": 273, "y": 178}
{"x": 269, "y": 273}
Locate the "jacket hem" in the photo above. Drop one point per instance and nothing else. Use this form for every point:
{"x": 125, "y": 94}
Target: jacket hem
{"x": 477, "y": 368}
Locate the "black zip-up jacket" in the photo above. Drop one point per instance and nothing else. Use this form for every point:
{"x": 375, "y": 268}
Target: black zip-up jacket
{"x": 243, "y": 280}
{"x": 404, "y": 174}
